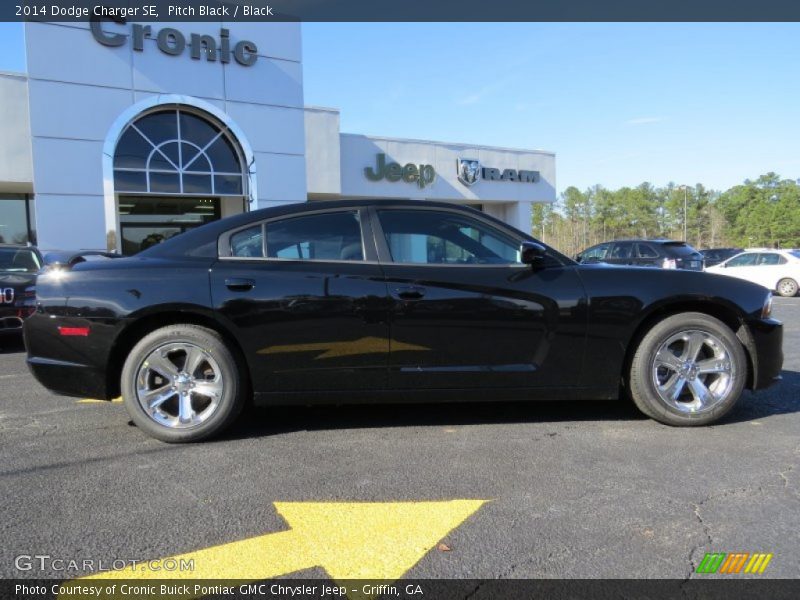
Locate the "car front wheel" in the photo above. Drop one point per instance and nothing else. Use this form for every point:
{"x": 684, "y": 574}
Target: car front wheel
{"x": 787, "y": 287}
{"x": 689, "y": 369}
{"x": 181, "y": 384}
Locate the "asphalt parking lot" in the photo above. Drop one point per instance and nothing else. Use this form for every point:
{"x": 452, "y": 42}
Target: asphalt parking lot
{"x": 570, "y": 490}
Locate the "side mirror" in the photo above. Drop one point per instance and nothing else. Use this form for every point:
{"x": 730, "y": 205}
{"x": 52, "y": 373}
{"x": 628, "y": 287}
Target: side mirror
{"x": 578, "y": 257}
{"x": 532, "y": 252}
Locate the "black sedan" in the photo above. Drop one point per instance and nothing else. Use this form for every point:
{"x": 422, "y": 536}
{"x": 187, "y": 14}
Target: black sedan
{"x": 401, "y": 301}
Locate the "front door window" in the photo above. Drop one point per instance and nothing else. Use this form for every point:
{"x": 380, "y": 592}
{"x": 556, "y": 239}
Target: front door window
{"x": 433, "y": 237}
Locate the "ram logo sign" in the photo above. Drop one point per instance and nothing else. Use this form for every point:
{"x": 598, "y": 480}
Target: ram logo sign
{"x": 469, "y": 171}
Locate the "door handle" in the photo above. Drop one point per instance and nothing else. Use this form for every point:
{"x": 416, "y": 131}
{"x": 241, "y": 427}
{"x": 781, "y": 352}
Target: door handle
{"x": 238, "y": 284}
{"x": 410, "y": 292}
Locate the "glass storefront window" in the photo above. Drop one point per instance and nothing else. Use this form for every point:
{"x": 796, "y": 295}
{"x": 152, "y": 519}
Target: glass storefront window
{"x": 16, "y": 219}
{"x": 149, "y": 220}
{"x": 177, "y": 152}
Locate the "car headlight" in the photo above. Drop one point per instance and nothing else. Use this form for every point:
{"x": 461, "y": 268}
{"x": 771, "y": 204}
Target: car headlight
{"x": 766, "y": 310}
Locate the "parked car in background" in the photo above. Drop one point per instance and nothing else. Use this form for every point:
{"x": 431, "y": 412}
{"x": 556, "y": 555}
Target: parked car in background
{"x": 19, "y": 265}
{"x": 714, "y": 256}
{"x": 66, "y": 259}
{"x": 666, "y": 254}
{"x": 777, "y": 270}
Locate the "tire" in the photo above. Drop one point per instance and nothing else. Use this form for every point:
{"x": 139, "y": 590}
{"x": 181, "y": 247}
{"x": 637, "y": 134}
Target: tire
{"x": 786, "y": 287}
{"x": 156, "y": 382}
{"x": 663, "y": 364}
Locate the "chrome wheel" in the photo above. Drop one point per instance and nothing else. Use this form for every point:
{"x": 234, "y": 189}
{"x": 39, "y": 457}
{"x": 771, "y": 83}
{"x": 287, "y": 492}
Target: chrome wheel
{"x": 179, "y": 385}
{"x": 693, "y": 371}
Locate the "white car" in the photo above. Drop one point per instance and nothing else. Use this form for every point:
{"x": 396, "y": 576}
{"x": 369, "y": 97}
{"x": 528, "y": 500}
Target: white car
{"x": 778, "y": 270}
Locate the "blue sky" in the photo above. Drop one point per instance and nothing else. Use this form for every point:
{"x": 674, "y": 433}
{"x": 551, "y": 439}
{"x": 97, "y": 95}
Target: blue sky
{"x": 618, "y": 103}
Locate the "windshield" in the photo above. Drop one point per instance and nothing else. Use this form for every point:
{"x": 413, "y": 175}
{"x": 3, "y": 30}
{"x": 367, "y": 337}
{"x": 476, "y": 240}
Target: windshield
{"x": 19, "y": 260}
{"x": 795, "y": 253}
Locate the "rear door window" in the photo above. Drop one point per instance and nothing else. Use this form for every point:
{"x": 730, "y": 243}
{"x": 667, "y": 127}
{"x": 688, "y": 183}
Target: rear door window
{"x": 622, "y": 250}
{"x": 325, "y": 236}
{"x": 771, "y": 258}
{"x": 248, "y": 243}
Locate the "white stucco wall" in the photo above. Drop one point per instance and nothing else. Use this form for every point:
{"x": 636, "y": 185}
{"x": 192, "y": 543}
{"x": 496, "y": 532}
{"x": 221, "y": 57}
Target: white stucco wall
{"x": 79, "y": 87}
{"x": 16, "y": 168}
{"x": 323, "y": 157}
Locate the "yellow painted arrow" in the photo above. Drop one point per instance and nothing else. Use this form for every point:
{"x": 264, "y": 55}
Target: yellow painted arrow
{"x": 94, "y": 401}
{"x": 350, "y": 540}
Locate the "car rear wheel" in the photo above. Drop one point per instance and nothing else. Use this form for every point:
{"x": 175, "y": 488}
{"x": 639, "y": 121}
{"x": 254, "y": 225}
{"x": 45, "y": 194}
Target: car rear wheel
{"x": 689, "y": 369}
{"x": 181, "y": 384}
{"x": 787, "y": 287}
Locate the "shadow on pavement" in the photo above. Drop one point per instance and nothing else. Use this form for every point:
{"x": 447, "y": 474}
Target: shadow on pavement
{"x": 263, "y": 421}
{"x": 782, "y": 398}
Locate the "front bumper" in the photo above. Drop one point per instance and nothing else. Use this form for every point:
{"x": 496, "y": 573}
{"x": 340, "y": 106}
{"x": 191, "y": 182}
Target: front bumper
{"x": 765, "y": 345}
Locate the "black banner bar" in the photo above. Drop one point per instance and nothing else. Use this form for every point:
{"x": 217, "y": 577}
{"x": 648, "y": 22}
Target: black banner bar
{"x": 402, "y": 10}
{"x": 723, "y": 588}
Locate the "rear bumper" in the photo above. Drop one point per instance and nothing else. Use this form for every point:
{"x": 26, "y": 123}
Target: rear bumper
{"x": 766, "y": 349}
{"x": 72, "y": 366}
{"x": 68, "y": 379}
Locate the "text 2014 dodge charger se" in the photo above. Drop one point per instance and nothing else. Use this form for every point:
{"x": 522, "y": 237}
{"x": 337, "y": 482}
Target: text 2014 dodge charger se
{"x": 368, "y": 301}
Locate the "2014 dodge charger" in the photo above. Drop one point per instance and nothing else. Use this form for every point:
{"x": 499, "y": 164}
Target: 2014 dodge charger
{"x": 370, "y": 301}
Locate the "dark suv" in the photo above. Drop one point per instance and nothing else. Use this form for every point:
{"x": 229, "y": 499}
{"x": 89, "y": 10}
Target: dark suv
{"x": 714, "y": 256}
{"x": 665, "y": 254}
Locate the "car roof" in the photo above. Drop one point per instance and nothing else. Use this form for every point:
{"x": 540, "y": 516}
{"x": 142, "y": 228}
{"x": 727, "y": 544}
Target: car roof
{"x": 760, "y": 250}
{"x": 662, "y": 241}
{"x": 786, "y": 252}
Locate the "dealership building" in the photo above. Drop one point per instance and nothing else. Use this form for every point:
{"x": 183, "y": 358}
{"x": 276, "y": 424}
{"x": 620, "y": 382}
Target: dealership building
{"x": 120, "y": 135}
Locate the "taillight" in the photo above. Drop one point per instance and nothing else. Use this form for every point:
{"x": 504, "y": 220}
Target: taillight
{"x": 74, "y": 331}
{"x": 669, "y": 263}
{"x": 766, "y": 310}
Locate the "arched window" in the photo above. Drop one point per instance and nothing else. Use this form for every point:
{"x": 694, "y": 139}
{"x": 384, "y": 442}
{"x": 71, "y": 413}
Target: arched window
{"x": 176, "y": 151}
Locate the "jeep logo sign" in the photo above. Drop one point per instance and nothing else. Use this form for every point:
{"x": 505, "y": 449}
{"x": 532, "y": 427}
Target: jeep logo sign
{"x": 468, "y": 169}
{"x": 173, "y": 42}
{"x": 422, "y": 175}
